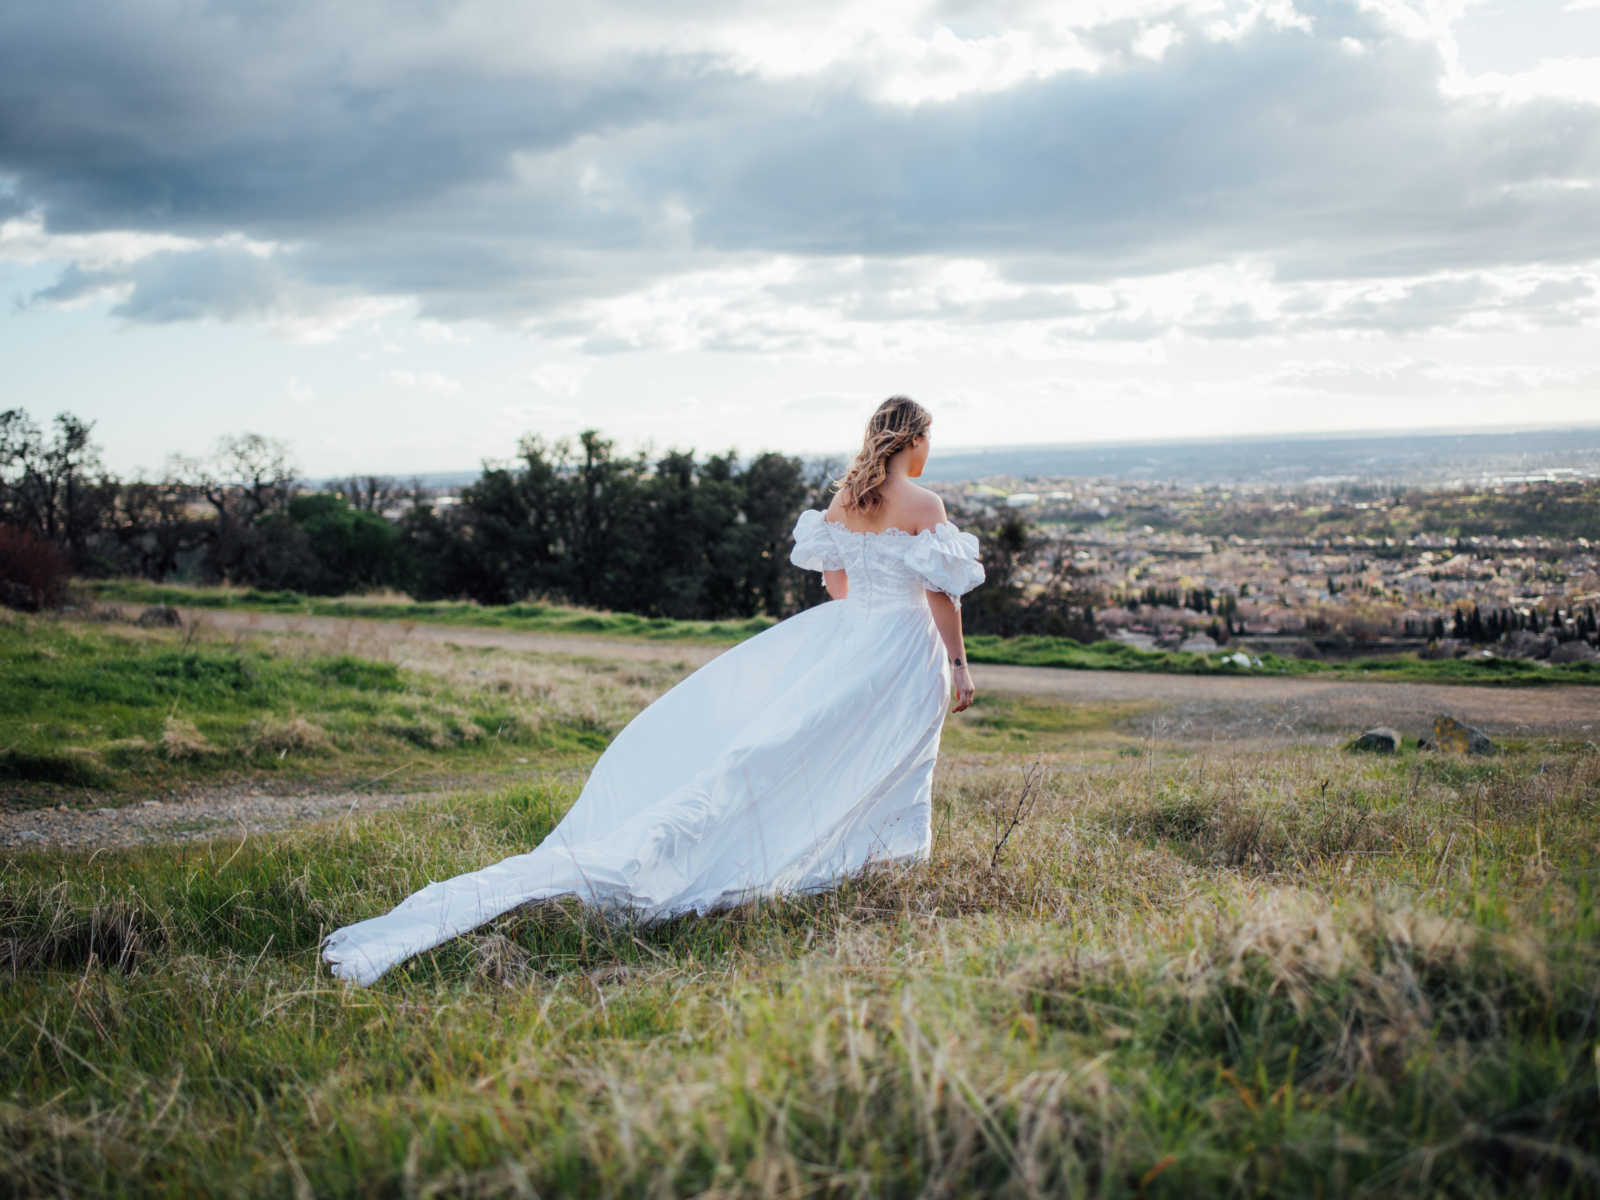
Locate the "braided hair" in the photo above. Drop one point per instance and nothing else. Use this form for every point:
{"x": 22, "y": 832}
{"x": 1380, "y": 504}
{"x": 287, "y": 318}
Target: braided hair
{"x": 896, "y": 423}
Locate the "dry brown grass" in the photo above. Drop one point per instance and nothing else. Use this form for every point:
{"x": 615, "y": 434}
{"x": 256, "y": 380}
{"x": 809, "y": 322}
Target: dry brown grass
{"x": 181, "y": 740}
{"x": 290, "y": 735}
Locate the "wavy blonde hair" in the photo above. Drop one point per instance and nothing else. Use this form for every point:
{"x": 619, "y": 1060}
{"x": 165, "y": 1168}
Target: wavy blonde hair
{"x": 896, "y": 423}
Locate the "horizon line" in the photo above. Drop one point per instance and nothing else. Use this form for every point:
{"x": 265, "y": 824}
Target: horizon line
{"x": 1001, "y": 447}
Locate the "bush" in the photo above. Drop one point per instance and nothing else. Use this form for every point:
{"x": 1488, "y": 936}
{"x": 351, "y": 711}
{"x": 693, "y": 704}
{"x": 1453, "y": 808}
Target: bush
{"x": 33, "y": 572}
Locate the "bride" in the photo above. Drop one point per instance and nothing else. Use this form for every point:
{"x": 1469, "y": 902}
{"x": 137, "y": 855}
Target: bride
{"x": 785, "y": 764}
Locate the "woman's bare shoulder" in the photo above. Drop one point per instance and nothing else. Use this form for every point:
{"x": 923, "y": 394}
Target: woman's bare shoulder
{"x": 918, "y": 508}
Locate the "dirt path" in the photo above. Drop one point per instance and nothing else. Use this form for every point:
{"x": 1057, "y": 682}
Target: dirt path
{"x": 205, "y": 813}
{"x": 1255, "y": 704}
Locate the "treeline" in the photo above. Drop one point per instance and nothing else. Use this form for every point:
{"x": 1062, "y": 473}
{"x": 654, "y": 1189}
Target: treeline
{"x": 1200, "y": 600}
{"x": 1490, "y": 625}
{"x": 574, "y": 521}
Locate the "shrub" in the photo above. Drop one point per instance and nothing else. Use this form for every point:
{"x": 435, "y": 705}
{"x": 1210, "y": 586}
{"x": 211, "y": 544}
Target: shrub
{"x": 33, "y": 572}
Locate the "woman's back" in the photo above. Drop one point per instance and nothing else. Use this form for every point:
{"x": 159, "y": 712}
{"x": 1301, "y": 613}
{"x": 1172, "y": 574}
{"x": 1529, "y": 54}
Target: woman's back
{"x": 903, "y": 506}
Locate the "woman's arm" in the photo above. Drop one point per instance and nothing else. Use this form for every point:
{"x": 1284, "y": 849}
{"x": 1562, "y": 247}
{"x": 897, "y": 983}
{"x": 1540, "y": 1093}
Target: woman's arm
{"x": 947, "y": 618}
{"x": 837, "y": 583}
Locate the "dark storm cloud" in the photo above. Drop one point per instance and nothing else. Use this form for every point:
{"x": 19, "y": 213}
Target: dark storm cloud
{"x": 223, "y": 283}
{"x": 507, "y": 188}
{"x": 124, "y": 115}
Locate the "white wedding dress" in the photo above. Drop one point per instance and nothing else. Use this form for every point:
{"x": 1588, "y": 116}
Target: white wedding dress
{"x": 782, "y": 766}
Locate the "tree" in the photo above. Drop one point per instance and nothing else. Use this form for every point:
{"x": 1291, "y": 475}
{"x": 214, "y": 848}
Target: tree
{"x": 1005, "y": 546}
{"x": 322, "y": 545}
{"x": 157, "y": 529}
{"x": 246, "y": 477}
{"x": 775, "y": 489}
{"x": 371, "y": 493}
{"x": 58, "y": 488}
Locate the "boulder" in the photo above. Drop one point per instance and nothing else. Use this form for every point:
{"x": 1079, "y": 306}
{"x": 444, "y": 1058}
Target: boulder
{"x": 1573, "y": 652}
{"x": 1139, "y": 641}
{"x": 1381, "y": 740}
{"x": 1524, "y": 643}
{"x": 15, "y": 595}
{"x": 1455, "y": 737}
{"x": 1199, "y": 643}
{"x": 161, "y": 614}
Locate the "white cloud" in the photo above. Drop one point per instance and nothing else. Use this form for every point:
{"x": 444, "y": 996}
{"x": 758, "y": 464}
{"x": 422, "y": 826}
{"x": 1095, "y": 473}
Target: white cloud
{"x": 1556, "y": 78}
{"x": 559, "y": 379}
{"x": 428, "y": 381}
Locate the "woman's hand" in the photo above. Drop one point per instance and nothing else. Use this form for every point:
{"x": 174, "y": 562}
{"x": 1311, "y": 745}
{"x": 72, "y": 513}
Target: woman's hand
{"x": 961, "y": 678}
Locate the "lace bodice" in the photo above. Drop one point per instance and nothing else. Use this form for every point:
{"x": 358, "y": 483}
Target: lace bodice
{"x": 891, "y": 566}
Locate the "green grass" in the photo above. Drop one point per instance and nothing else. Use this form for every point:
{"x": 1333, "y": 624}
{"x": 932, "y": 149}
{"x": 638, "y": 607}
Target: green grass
{"x": 998, "y": 723}
{"x": 1291, "y": 972}
{"x": 97, "y": 713}
{"x": 1037, "y": 651}
{"x": 1118, "y": 656}
{"x": 528, "y": 617}
{"x": 120, "y": 709}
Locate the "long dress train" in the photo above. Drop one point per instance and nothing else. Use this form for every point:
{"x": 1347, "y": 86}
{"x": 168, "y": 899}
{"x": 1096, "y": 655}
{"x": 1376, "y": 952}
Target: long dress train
{"x": 755, "y": 775}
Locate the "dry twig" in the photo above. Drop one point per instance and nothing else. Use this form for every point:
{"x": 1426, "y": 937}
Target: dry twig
{"x": 1026, "y": 799}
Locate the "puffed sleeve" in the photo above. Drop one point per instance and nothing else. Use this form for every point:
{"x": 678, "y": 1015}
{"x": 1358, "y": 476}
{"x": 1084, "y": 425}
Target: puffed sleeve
{"x": 947, "y": 560}
{"x": 814, "y": 547}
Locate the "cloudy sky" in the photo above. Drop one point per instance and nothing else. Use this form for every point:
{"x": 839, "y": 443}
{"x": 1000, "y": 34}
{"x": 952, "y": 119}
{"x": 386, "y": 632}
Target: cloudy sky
{"x": 400, "y": 235}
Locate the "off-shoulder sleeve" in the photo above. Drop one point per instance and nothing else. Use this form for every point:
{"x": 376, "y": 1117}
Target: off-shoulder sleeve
{"x": 946, "y": 559}
{"x": 814, "y": 547}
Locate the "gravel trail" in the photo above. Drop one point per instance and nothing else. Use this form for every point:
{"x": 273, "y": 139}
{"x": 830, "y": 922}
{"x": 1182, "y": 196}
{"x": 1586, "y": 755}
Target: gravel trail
{"x": 204, "y": 813}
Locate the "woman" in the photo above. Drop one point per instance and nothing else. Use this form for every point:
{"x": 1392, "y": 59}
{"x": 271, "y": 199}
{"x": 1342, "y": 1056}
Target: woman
{"x": 783, "y": 765}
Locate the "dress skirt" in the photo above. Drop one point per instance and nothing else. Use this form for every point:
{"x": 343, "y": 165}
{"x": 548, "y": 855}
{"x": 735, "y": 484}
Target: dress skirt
{"x": 782, "y": 766}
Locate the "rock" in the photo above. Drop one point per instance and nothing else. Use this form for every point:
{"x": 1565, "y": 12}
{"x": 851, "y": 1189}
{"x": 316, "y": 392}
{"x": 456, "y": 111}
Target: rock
{"x": 1381, "y": 740}
{"x": 161, "y": 614}
{"x": 1451, "y": 735}
{"x": 1199, "y": 643}
{"x": 15, "y": 595}
{"x": 1139, "y": 641}
{"x": 1442, "y": 648}
{"x": 1524, "y": 643}
{"x": 1239, "y": 660}
{"x": 1573, "y": 652}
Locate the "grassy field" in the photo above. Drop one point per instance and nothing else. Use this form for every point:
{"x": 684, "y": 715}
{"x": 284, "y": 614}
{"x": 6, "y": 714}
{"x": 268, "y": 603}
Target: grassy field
{"x": 104, "y": 712}
{"x": 1162, "y": 969}
{"x": 113, "y": 708}
{"x": 1023, "y": 651}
